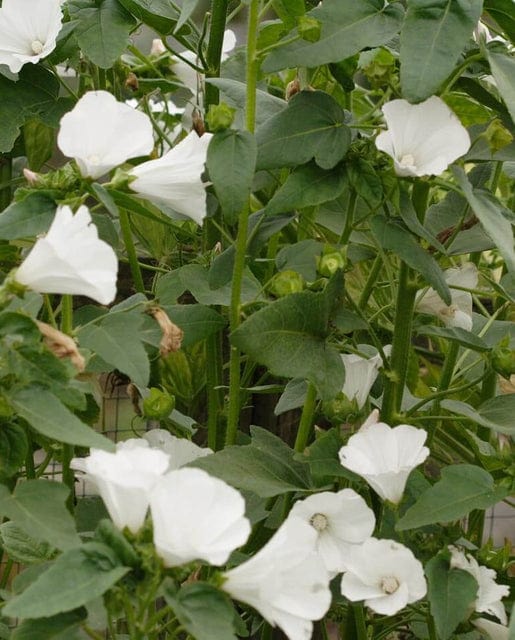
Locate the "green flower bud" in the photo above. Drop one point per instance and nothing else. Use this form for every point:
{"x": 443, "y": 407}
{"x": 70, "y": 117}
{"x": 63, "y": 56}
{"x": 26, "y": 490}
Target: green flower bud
{"x": 309, "y": 28}
{"x": 158, "y": 404}
{"x": 503, "y": 358}
{"x": 497, "y": 136}
{"x": 220, "y": 117}
{"x": 286, "y": 282}
{"x": 329, "y": 263}
{"x": 340, "y": 409}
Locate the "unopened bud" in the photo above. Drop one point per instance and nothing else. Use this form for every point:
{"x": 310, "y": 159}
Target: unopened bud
{"x": 32, "y": 177}
{"x": 330, "y": 262}
{"x": 503, "y": 358}
{"x": 61, "y": 345}
{"x": 157, "y": 49}
{"x": 340, "y": 409}
{"x": 292, "y": 88}
{"x": 131, "y": 81}
{"x": 198, "y": 123}
{"x": 220, "y": 117}
{"x": 286, "y": 282}
{"x": 172, "y": 334}
{"x": 158, "y": 404}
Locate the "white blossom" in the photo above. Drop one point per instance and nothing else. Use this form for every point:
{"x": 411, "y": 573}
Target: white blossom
{"x": 385, "y": 574}
{"x": 341, "y": 521}
{"x": 28, "y": 31}
{"x": 72, "y": 259}
{"x": 101, "y": 133}
{"x": 459, "y": 312}
{"x": 489, "y": 595}
{"x": 385, "y": 456}
{"x": 285, "y": 581}
{"x": 124, "y": 479}
{"x": 180, "y": 450}
{"x": 491, "y": 630}
{"x": 196, "y": 517}
{"x": 360, "y": 374}
{"x": 423, "y": 139}
{"x": 174, "y": 180}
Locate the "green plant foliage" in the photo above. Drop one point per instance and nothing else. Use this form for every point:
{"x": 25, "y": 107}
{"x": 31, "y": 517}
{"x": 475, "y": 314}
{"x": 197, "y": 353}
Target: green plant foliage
{"x": 503, "y": 70}
{"x": 27, "y": 217}
{"x": 64, "y": 626}
{"x": 495, "y": 414}
{"x": 14, "y": 446}
{"x": 23, "y": 548}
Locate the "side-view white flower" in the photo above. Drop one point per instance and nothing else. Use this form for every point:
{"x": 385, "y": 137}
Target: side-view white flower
{"x": 285, "y": 581}
{"x": 174, "y": 180}
{"x": 196, "y": 517}
{"x": 385, "y": 574}
{"x": 360, "y": 374}
{"x": 28, "y": 31}
{"x": 423, "y": 139}
{"x": 342, "y": 520}
{"x": 124, "y": 479}
{"x": 385, "y": 456}
{"x": 71, "y": 258}
{"x": 489, "y": 595}
{"x": 491, "y": 630}
{"x": 180, "y": 450}
{"x": 100, "y": 133}
{"x": 459, "y": 312}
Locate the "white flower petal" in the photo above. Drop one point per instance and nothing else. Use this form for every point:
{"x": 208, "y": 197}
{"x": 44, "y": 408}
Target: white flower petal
{"x": 71, "y": 259}
{"x": 491, "y": 629}
{"x": 180, "y": 450}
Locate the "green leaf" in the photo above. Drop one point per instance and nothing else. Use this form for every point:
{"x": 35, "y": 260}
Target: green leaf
{"x": 311, "y": 126}
{"x": 23, "y": 548}
{"x": 450, "y": 592}
{"x": 205, "y": 612}
{"x": 489, "y": 212}
{"x": 503, "y": 71}
{"x": 323, "y": 460}
{"x": 14, "y": 446}
{"x": 38, "y": 508}
{"x": 39, "y": 141}
{"x": 409, "y": 216}
{"x": 266, "y": 467}
{"x": 28, "y": 217}
{"x": 231, "y": 160}
{"x": 347, "y": 28}
{"x": 289, "y": 10}
{"x": 196, "y": 320}
{"x": 161, "y": 15}
{"x": 115, "y": 338}
{"x": 300, "y": 257}
{"x": 65, "y": 626}
{"x": 293, "y": 396}
{"x": 35, "y": 92}
{"x": 393, "y": 237}
{"x": 454, "y": 334}
{"x": 307, "y": 186}
{"x": 288, "y": 337}
{"x": 187, "y": 8}
{"x": 502, "y": 12}
{"x": 496, "y": 413}
{"x": 103, "y": 29}
{"x": 47, "y": 415}
{"x": 77, "y": 577}
{"x": 463, "y": 487}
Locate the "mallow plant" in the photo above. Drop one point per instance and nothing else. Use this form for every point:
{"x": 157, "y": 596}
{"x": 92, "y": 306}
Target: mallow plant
{"x": 286, "y": 226}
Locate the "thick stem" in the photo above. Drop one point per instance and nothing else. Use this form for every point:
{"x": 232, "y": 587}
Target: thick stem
{"x": 214, "y": 393}
{"x": 371, "y": 281}
{"x": 6, "y": 169}
{"x": 68, "y": 450}
{"x": 306, "y": 419}
{"x": 444, "y": 383}
{"x": 214, "y": 48}
{"x": 361, "y": 623}
{"x": 132, "y": 256}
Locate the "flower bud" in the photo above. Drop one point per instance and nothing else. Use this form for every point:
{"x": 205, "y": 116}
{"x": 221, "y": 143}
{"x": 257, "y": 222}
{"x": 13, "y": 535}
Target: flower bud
{"x": 503, "y": 358}
{"x": 340, "y": 409}
{"x": 330, "y": 262}
{"x": 32, "y": 177}
{"x": 292, "y": 88}
{"x": 158, "y": 404}
{"x": 61, "y": 345}
{"x": 220, "y": 117}
{"x": 497, "y": 136}
{"x": 131, "y": 81}
{"x": 286, "y": 282}
{"x": 172, "y": 334}
{"x": 309, "y": 28}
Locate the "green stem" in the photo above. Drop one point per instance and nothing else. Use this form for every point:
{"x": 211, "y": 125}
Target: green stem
{"x": 351, "y": 207}
{"x": 241, "y": 239}
{"x": 371, "y": 281}
{"x": 394, "y": 387}
{"x": 441, "y": 394}
{"x": 444, "y": 383}
{"x": 214, "y": 48}
{"x": 67, "y": 314}
{"x": 68, "y": 450}
{"x": 132, "y": 256}
{"x": 30, "y": 469}
{"x": 361, "y": 623}
{"x": 214, "y": 393}
{"x": 6, "y": 170}
{"x": 306, "y": 419}
{"x": 6, "y": 572}
{"x": 488, "y": 389}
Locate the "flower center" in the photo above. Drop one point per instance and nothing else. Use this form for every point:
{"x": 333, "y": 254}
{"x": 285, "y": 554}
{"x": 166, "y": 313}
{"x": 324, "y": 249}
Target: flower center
{"x": 93, "y": 159}
{"x": 389, "y": 584}
{"x": 407, "y": 160}
{"x": 319, "y": 522}
{"x": 36, "y": 46}
{"x": 449, "y": 311}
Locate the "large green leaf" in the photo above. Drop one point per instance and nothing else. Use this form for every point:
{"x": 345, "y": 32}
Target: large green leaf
{"x": 496, "y": 413}
{"x": 38, "y": 508}
{"x": 231, "y": 160}
{"x": 289, "y": 337}
{"x": 196, "y": 320}
{"x": 35, "y": 92}
{"x": 103, "y": 29}
{"x": 311, "y": 126}
{"x": 14, "y": 446}
{"x": 393, "y": 237}
{"x": 65, "y": 626}
{"x": 205, "y": 612}
{"x": 28, "y": 217}
{"x": 503, "y": 71}
{"x": 463, "y": 487}
{"x": 161, "y": 15}
{"x": 306, "y": 186}
{"x": 450, "y": 592}
{"x": 489, "y": 212}
{"x": 23, "y": 548}
{"x": 266, "y": 467}
{"x": 115, "y": 338}
{"x": 502, "y": 12}
{"x": 347, "y": 28}
{"x": 47, "y": 415}
{"x": 433, "y": 35}
{"x": 77, "y": 577}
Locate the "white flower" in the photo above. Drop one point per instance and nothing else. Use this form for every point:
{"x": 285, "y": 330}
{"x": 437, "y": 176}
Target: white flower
{"x": 385, "y": 457}
{"x": 423, "y": 139}
{"x": 489, "y": 595}
{"x": 385, "y": 574}
{"x": 174, "y": 179}
{"x": 157, "y": 48}
{"x": 491, "y": 630}
{"x": 180, "y": 450}
{"x": 341, "y": 521}
{"x": 71, "y": 258}
{"x": 101, "y": 133}
{"x": 28, "y": 31}
{"x": 196, "y": 517}
{"x": 124, "y": 479}
{"x": 459, "y": 312}
{"x": 285, "y": 581}
{"x": 360, "y": 374}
